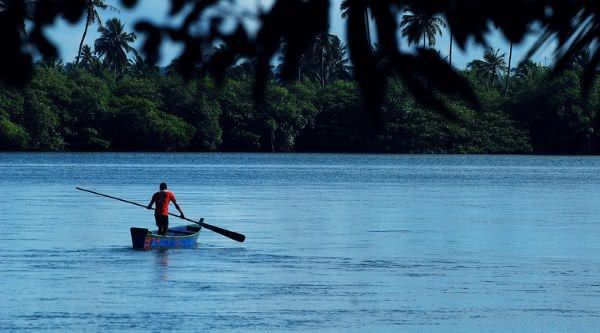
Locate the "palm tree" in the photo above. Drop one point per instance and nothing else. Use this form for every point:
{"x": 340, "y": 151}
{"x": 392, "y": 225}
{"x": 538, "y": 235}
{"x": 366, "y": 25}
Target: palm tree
{"x": 509, "y": 69}
{"x": 526, "y": 69}
{"x": 336, "y": 60}
{"x": 51, "y": 63}
{"x": 89, "y": 61}
{"x": 87, "y": 56}
{"x": 327, "y": 60}
{"x": 113, "y": 44}
{"x": 421, "y": 25}
{"x": 492, "y": 65}
{"x": 140, "y": 67}
{"x": 580, "y": 61}
{"x": 345, "y": 7}
{"x": 450, "y": 52}
{"x": 320, "y": 50}
{"x": 301, "y": 63}
{"x": 92, "y": 16}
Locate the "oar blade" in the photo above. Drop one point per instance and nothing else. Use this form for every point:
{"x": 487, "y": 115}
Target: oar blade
{"x": 227, "y": 233}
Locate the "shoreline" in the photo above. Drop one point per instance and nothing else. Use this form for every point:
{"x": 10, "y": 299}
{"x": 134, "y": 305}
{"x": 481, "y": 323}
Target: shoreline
{"x": 35, "y": 152}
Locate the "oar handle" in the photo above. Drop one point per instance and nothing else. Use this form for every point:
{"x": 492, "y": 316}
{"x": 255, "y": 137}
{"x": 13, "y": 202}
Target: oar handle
{"x": 227, "y": 233}
{"x": 109, "y": 196}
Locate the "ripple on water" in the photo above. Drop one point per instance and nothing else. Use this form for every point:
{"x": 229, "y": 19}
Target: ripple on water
{"x": 363, "y": 243}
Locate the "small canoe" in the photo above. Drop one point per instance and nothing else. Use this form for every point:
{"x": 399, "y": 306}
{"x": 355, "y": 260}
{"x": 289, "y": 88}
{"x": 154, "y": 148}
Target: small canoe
{"x": 182, "y": 237}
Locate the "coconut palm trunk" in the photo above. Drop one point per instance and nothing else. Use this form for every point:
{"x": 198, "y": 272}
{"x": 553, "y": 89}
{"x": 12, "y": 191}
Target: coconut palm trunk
{"x": 87, "y": 24}
{"x": 450, "y": 52}
{"x": 92, "y": 16}
{"x": 272, "y": 139}
{"x": 323, "y": 68}
{"x": 367, "y": 27}
{"x": 509, "y": 64}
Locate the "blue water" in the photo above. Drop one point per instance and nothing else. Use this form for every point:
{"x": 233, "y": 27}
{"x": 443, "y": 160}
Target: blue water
{"x": 334, "y": 243}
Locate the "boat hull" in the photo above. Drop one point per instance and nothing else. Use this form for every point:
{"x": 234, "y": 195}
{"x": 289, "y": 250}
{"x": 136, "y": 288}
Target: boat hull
{"x": 183, "y": 237}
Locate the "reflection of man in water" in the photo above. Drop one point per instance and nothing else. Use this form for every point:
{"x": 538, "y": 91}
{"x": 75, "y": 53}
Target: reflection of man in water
{"x": 161, "y": 213}
{"x": 162, "y": 264}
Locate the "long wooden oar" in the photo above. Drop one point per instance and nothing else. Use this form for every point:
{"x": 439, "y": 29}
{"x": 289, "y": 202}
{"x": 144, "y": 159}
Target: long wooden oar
{"x": 227, "y": 233}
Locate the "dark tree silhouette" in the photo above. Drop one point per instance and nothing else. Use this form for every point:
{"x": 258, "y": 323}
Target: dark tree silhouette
{"x": 92, "y": 16}
{"x": 573, "y": 24}
{"x": 113, "y": 45}
{"x": 491, "y": 67}
{"x": 16, "y": 59}
{"x": 345, "y": 8}
{"x": 421, "y": 26}
{"x": 450, "y": 51}
{"x": 527, "y": 69}
{"x": 336, "y": 61}
{"x": 325, "y": 61}
{"x": 510, "y": 51}
{"x": 139, "y": 67}
{"x": 581, "y": 61}
{"x": 51, "y": 63}
{"x": 89, "y": 61}
{"x": 87, "y": 56}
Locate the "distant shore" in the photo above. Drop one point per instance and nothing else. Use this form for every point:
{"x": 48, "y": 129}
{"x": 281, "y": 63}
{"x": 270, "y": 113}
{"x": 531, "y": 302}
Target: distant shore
{"x": 67, "y": 108}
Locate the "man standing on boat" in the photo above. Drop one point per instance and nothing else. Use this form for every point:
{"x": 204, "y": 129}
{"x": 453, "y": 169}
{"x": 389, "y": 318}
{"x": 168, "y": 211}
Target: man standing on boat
{"x": 161, "y": 213}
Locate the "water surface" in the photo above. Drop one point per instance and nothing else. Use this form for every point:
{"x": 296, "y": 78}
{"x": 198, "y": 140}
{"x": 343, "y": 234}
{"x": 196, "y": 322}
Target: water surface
{"x": 334, "y": 243}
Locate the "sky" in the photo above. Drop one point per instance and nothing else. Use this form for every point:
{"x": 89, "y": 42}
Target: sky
{"x": 67, "y": 36}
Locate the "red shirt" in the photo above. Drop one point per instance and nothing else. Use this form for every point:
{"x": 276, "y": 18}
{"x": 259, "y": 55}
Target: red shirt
{"x": 162, "y": 199}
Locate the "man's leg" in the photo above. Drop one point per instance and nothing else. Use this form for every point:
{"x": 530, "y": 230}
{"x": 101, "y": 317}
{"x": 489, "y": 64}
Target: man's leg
{"x": 158, "y": 224}
{"x": 164, "y": 225}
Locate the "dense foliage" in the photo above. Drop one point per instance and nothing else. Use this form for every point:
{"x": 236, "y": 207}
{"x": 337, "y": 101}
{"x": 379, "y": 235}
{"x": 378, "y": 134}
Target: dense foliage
{"x": 573, "y": 26}
{"x": 147, "y": 109}
{"x": 112, "y": 98}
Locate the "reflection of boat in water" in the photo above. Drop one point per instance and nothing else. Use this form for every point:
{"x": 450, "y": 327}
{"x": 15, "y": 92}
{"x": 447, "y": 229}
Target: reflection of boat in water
{"x": 161, "y": 266}
{"x": 183, "y": 237}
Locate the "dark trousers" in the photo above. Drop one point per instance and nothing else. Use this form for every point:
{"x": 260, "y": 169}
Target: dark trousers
{"x": 162, "y": 222}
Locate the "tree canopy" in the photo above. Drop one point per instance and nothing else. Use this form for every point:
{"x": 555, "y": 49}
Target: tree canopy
{"x": 143, "y": 108}
{"x": 421, "y": 26}
{"x": 573, "y": 24}
{"x": 113, "y": 45}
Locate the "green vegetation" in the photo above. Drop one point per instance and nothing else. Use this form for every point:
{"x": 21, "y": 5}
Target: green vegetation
{"x": 71, "y": 108}
{"x": 112, "y": 99}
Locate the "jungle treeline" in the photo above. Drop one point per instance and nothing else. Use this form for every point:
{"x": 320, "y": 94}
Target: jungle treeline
{"x": 72, "y": 108}
{"x": 110, "y": 98}
{"x": 323, "y": 96}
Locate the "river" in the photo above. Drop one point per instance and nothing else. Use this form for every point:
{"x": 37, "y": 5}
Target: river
{"x": 380, "y": 243}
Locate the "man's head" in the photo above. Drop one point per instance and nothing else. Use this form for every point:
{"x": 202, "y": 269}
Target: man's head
{"x": 163, "y": 186}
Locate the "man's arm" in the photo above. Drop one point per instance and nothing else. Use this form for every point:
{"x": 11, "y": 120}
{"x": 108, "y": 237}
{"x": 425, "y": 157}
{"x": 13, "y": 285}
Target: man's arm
{"x": 151, "y": 202}
{"x": 178, "y": 208}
